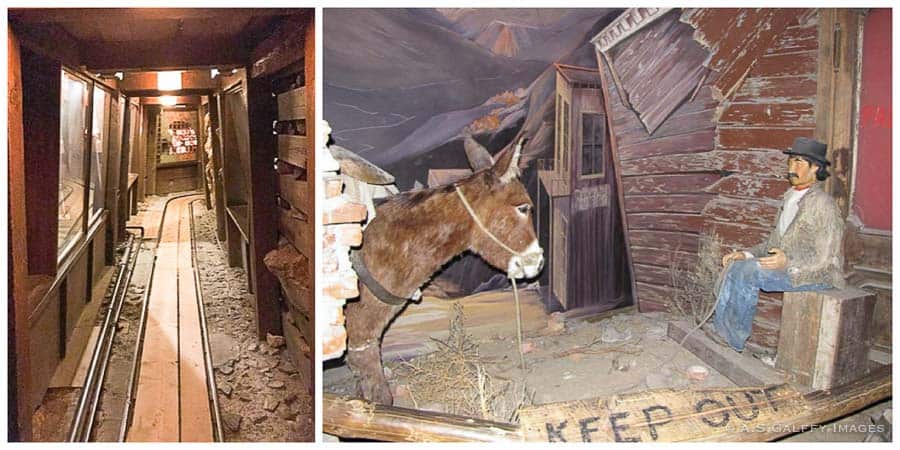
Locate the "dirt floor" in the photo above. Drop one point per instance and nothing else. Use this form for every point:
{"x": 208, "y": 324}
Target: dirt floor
{"x": 566, "y": 359}
{"x": 261, "y": 394}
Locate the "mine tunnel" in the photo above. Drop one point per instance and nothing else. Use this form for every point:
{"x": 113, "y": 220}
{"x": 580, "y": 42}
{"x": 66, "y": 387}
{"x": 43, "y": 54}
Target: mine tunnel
{"x": 158, "y": 197}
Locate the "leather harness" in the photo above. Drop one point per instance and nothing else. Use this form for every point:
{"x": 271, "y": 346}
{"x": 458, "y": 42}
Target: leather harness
{"x": 379, "y": 291}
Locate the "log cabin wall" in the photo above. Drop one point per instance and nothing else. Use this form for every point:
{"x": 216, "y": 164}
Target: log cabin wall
{"x": 714, "y": 164}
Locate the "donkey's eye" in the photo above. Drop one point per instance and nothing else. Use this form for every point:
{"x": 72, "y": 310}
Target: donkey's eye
{"x": 523, "y": 209}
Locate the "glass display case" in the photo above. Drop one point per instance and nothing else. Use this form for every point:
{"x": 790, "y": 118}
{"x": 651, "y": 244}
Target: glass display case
{"x": 99, "y": 141}
{"x": 73, "y": 130}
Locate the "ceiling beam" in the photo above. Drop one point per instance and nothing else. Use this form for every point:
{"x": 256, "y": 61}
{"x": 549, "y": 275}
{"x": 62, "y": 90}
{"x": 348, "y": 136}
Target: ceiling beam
{"x": 179, "y": 100}
{"x": 163, "y": 54}
{"x": 282, "y": 47}
{"x": 115, "y": 15}
{"x": 146, "y": 82}
{"x": 49, "y": 40}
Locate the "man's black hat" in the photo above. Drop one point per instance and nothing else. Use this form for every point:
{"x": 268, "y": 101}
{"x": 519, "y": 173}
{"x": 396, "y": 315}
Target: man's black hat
{"x": 809, "y": 148}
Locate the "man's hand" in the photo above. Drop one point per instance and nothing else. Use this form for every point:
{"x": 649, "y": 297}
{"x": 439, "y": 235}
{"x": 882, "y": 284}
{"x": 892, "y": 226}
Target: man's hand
{"x": 777, "y": 261}
{"x": 733, "y": 256}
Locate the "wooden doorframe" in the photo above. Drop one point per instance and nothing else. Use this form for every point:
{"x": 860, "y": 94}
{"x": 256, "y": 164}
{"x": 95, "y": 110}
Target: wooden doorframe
{"x": 839, "y": 31}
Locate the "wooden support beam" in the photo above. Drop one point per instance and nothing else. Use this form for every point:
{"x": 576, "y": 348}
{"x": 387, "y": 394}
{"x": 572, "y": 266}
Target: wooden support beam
{"x": 41, "y": 90}
{"x": 18, "y": 360}
{"x": 114, "y": 15}
{"x": 191, "y": 100}
{"x": 164, "y": 54}
{"x": 215, "y": 112}
{"x": 284, "y": 46}
{"x": 355, "y": 418}
{"x": 262, "y": 109}
{"x": 49, "y": 39}
{"x": 142, "y": 83}
{"x": 116, "y": 178}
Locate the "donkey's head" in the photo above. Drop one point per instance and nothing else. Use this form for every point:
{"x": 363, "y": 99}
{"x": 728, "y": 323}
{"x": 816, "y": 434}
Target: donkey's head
{"x": 501, "y": 211}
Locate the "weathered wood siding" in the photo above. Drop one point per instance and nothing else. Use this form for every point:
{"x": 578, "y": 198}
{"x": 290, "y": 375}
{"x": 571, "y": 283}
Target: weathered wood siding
{"x": 664, "y": 177}
{"x": 774, "y": 104}
{"x": 715, "y": 164}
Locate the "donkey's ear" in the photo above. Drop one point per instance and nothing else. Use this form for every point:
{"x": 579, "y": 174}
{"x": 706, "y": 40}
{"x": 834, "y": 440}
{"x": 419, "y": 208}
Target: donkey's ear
{"x": 507, "y": 166}
{"x": 478, "y": 156}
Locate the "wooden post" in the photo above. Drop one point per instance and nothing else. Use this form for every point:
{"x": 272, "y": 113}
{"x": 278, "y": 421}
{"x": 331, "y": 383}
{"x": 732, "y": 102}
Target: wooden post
{"x": 835, "y": 94}
{"x": 309, "y": 72}
{"x": 19, "y": 425}
{"x": 262, "y": 109}
{"x": 201, "y": 151}
{"x": 140, "y": 158}
{"x": 41, "y": 87}
{"x": 153, "y": 113}
{"x": 354, "y": 418}
{"x": 215, "y": 113}
{"x": 116, "y": 184}
{"x": 123, "y": 196}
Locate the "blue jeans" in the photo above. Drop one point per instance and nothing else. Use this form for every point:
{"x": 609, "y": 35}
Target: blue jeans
{"x": 739, "y": 295}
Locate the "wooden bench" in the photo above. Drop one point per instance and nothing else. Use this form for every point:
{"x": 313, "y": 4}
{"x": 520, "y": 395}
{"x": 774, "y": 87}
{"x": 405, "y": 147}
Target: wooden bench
{"x": 825, "y": 339}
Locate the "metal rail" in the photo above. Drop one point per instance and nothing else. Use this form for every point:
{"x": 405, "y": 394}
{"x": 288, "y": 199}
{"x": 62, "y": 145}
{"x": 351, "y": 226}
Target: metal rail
{"x": 218, "y": 435}
{"x": 82, "y": 425}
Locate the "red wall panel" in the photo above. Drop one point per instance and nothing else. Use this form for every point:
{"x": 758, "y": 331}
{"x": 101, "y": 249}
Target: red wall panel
{"x": 872, "y": 200}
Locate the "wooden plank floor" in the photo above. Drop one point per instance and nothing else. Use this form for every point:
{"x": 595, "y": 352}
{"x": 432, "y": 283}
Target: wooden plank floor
{"x": 171, "y": 401}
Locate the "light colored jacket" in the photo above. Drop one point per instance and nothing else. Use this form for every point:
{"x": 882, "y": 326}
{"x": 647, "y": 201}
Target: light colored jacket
{"x": 812, "y": 243}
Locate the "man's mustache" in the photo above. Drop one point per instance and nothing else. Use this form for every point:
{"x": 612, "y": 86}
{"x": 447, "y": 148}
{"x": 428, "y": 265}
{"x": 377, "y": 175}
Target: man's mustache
{"x": 792, "y": 175}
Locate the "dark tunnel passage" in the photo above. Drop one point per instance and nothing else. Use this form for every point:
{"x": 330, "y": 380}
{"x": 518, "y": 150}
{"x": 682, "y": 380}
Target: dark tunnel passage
{"x": 143, "y": 203}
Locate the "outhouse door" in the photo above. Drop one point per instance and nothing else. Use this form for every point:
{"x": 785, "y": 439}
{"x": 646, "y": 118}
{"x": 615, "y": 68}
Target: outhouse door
{"x": 597, "y": 269}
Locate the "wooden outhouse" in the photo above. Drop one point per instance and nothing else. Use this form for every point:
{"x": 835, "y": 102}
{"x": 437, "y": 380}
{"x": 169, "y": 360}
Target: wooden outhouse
{"x": 586, "y": 249}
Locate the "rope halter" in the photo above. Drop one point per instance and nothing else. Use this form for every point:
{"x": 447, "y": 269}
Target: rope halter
{"x": 481, "y": 225}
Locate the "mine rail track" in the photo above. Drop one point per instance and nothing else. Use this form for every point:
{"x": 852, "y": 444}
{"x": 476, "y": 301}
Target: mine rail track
{"x": 85, "y": 419}
{"x": 86, "y": 409}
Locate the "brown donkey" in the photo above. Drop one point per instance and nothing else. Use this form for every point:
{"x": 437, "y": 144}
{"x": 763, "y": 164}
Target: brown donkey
{"x": 415, "y": 233}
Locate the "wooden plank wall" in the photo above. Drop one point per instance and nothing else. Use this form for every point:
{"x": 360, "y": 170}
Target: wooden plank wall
{"x": 664, "y": 177}
{"x": 715, "y": 164}
{"x": 774, "y": 104}
{"x": 290, "y": 73}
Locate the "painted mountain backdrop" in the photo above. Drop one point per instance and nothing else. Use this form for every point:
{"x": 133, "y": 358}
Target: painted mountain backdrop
{"x": 402, "y": 86}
